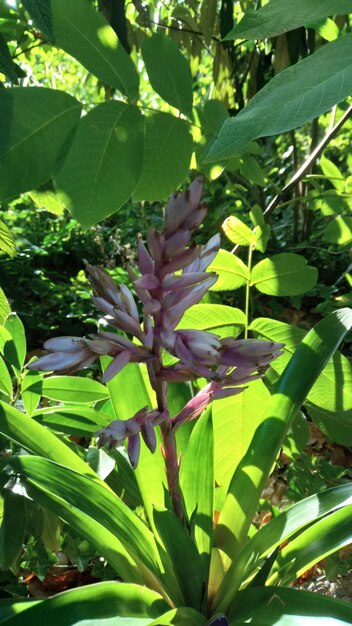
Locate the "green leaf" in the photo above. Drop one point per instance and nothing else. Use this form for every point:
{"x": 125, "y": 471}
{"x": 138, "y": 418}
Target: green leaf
{"x": 83, "y": 32}
{"x": 70, "y": 389}
{"x": 31, "y": 436}
{"x": 15, "y": 350}
{"x": 290, "y": 392}
{"x": 47, "y": 199}
{"x": 92, "y": 498}
{"x": 232, "y": 272}
{"x": 7, "y": 242}
{"x": 294, "y": 96}
{"x": 332, "y": 173}
{"x": 285, "y": 274}
{"x": 37, "y": 123}
{"x": 30, "y": 399}
{"x": 330, "y": 398}
{"x": 327, "y": 28}
{"x": 80, "y": 421}
{"x": 12, "y": 529}
{"x": 104, "y": 541}
{"x": 238, "y": 232}
{"x": 180, "y": 617}
{"x": 5, "y": 308}
{"x": 185, "y": 558}
{"x": 100, "y": 604}
{"x": 107, "y": 148}
{"x": 339, "y": 231}
{"x": 223, "y": 320}
{"x": 280, "y": 16}
{"x": 5, "y": 379}
{"x": 268, "y": 606}
{"x": 169, "y": 72}
{"x": 40, "y": 11}
{"x": 7, "y": 66}
{"x": 197, "y": 486}
{"x": 314, "y": 544}
{"x": 276, "y": 532}
{"x": 235, "y": 421}
{"x": 168, "y": 148}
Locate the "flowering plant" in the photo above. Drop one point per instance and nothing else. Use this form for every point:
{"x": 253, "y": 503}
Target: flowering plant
{"x": 184, "y": 554}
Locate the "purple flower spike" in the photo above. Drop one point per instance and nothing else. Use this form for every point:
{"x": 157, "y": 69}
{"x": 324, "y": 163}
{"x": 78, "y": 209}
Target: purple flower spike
{"x": 68, "y": 352}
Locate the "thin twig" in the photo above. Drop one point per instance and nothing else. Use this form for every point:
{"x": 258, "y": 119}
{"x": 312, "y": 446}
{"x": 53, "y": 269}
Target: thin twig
{"x": 308, "y": 163}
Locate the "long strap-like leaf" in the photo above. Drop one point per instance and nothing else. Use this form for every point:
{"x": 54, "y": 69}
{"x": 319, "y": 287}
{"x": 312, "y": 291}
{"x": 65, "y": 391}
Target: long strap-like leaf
{"x": 291, "y": 390}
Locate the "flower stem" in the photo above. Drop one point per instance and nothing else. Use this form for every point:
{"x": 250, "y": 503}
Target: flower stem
{"x": 247, "y": 300}
{"x": 172, "y": 465}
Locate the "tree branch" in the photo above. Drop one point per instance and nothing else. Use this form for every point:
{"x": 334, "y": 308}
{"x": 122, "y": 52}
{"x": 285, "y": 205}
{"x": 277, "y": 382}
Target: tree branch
{"x": 308, "y": 163}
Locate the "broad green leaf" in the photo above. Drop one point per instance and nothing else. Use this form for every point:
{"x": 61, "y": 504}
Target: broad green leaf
{"x": 339, "y": 231}
{"x": 7, "y": 66}
{"x": 235, "y": 422}
{"x": 28, "y": 434}
{"x": 327, "y": 28}
{"x": 232, "y": 272}
{"x": 12, "y": 529}
{"x": 40, "y": 11}
{"x": 30, "y": 399}
{"x": 5, "y": 379}
{"x": 169, "y": 71}
{"x": 7, "y": 242}
{"x": 168, "y": 148}
{"x": 268, "y": 606}
{"x": 10, "y": 607}
{"x": 332, "y": 172}
{"x": 197, "y": 485}
{"x": 79, "y": 29}
{"x": 128, "y": 394}
{"x": 294, "y": 96}
{"x": 47, "y": 199}
{"x": 284, "y": 274}
{"x": 238, "y": 232}
{"x": 314, "y": 544}
{"x": 124, "y": 604}
{"x": 336, "y": 425}
{"x": 80, "y": 421}
{"x": 276, "y": 532}
{"x": 186, "y": 561}
{"x": 37, "y": 123}
{"x": 251, "y": 170}
{"x": 220, "y": 319}
{"x": 330, "y": 394}
{"x": 105, "y": 542}
{"x": 290, "y": 392}
{"x": 180, "y": 617}
{"x": 70, "y": 389}
{"x": 279, "y": 16}
{"x": 107, "y": 148}
{"x": 5, "y": 308}
{"x": 15, "y": 350}
{"x": 93, "y": 499}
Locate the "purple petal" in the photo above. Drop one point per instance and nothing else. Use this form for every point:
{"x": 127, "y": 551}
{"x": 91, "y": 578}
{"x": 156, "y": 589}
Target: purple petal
{"x": 176, "y": 243}
{"x": 145, "y": 261}
{"x": 182, "y": 205}
{"x": 171, "y": 283}
{"x": 206, "y": 256}
{"x": 62, "y": 361}
{"x": 154, "y": 245}
{"x": 128, "y": 324}
{"x": 65, "y": 344}
{"x": 147, "y": 281}
{"x": 129, "y": 302}
{"x": 219, "y": 394}
{"x": 116, "y": 366}
{"x": 149, "y": 436}
{"x": 181, "y": 260}
{"x": 134, "y": 449}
